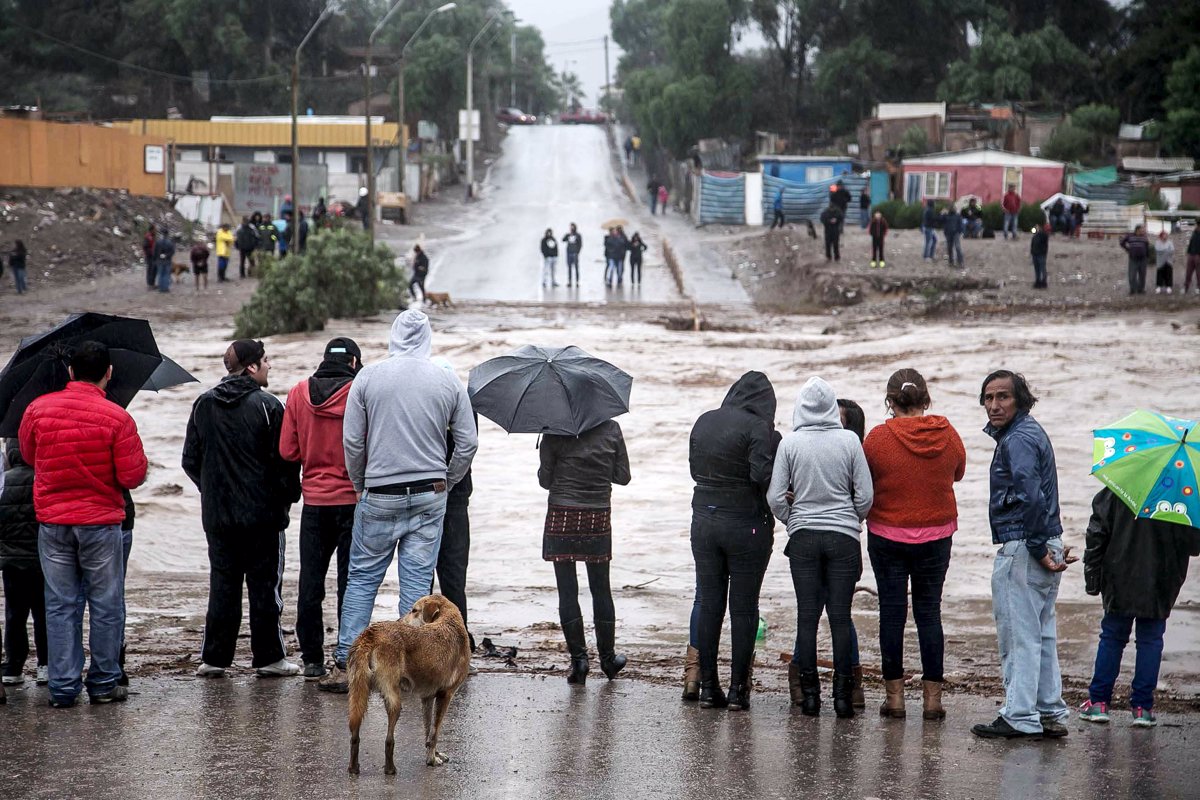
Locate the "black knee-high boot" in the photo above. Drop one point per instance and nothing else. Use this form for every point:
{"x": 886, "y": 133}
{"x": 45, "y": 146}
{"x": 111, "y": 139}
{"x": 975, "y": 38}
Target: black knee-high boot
{"x": 606, "y": 636}
{"x": 577, "y": 647}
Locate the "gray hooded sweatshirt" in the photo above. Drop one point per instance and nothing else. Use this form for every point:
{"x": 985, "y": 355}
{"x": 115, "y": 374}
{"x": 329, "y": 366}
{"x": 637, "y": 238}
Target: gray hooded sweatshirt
{"x": 825, "y": 466}
{"x": 398, "y": 413}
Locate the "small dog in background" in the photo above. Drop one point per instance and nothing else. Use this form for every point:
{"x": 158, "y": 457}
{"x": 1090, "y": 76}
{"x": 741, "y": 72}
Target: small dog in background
{"x": 178, "y": 269}
{"x": 439, "y": 299}
{"x": 426, "y": 653}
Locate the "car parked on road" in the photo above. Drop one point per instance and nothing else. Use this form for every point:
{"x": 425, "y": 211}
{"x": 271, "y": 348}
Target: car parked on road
{"x": 583, "y": 116}
{"x": 515, "y": 116}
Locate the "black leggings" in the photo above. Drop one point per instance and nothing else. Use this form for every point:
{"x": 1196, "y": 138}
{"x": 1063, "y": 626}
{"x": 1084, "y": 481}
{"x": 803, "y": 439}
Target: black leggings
{"x": 823, "y": 560}
{"x": 565, "y": 576}
{"x": 876, "y": 249}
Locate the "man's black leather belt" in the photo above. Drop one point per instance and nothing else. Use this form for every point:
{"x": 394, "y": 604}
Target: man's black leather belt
{"x": 413, "y": 487}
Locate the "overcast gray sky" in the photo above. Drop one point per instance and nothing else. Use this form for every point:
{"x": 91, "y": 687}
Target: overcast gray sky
{"x": 573, "y": 30}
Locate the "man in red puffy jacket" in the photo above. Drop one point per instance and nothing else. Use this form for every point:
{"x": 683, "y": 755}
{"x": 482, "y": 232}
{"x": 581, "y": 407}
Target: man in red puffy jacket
{"x": 312, "y": 435}
{"x": 85, "y": 450}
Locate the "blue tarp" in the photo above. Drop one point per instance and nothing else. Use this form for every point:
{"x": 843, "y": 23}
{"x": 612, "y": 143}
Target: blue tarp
{"x": 803, "y": 201}
{"x": 722, "y": 199}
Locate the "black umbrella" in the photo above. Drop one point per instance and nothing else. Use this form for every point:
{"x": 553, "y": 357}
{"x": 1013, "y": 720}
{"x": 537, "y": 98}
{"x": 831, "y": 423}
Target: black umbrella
{"x": 40, "y": 364}
{"x": 559, "y": 390}
{"x": 166, "y": 375}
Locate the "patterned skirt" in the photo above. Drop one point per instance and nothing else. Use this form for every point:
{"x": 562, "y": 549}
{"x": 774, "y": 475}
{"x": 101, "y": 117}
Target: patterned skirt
{"x": 577, "y": 534}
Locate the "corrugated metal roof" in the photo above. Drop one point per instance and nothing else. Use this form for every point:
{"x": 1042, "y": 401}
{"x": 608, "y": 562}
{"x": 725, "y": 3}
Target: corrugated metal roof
{"x": 980, "y": 157}
{"x": 907, "y": 110}
{"x": 262, "y": 134}
{"x": 1142, "y": 164}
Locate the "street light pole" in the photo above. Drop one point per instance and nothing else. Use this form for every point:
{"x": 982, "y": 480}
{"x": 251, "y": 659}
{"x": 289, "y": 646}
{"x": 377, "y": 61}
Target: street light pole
{"x": 370, "y": 221}
{"x": 403, "y": 132}
{"x": 470, "y": 134}
{"x": 512, "y": 60}
{"x": 294, "y": 228}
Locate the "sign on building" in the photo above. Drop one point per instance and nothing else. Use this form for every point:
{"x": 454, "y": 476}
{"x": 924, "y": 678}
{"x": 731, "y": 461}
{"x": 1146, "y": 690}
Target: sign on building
{"x": 462, "y": 124}
{"x": 262, "y": 187}
{"x": 155, "y": 159}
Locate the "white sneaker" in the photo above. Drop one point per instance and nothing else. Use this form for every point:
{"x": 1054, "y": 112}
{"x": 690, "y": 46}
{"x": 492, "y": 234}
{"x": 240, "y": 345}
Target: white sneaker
{"x": 209, "y": 671}
{"x": 12, "y": 680}
{"x": 280, "y": 669}
{"x": 43, "y": 675}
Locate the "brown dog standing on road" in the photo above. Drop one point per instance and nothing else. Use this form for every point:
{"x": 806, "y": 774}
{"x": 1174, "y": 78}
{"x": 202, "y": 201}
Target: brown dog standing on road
{"x": 427, "y": 654}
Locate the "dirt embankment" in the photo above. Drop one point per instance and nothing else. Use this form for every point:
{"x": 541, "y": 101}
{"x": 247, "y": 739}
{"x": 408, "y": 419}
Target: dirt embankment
{"x": 787, "y": 272}
{"x": 77, "y": 234}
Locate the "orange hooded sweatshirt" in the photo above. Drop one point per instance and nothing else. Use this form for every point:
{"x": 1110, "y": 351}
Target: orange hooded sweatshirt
{"x": 914, "y": 464}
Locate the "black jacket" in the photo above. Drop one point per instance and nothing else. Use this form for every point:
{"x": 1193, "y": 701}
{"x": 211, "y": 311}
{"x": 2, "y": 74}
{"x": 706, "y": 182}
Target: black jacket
{"x": 580, "y": 470}
{"x": 232, "y": 454}
{"x": 1137, "y": 565}
{"x": 840, "y": 197}
{"x": 636, "y": 248}
{"x": 574, "y": 242}
{"x": 245, "y": 238}
{"x": 18, "y": 522}
{"x": 831, "y": 218}
{"x": 420, "y": 265}
{"x": 614, "y": 248}
{"x": 1039, "y": 245}
{"x": 549, "y": 246}
{"x": 731, "y": 450}
{"x": 1194, "y": 243}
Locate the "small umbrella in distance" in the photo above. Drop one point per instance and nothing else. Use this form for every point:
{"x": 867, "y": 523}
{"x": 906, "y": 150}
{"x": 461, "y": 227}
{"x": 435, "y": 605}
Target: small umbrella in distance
{"x": 553, "y": 390}
{"x": 1147, "y": 460}
{"x": 40, "y": 364}
{"x": 616, "y": 222}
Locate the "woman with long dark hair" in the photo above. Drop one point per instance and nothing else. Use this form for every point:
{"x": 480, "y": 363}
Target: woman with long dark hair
{"x": 915, "y": 459}
{"x": 830, "y": 494}
{"x": 16, "y": 262}
{"x": 579, "y": 472}
{"x": 731, "y": 454}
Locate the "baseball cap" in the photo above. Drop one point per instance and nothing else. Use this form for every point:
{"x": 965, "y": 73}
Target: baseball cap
{"x": 344, "y": 347}
{"x": 243, "y": 353}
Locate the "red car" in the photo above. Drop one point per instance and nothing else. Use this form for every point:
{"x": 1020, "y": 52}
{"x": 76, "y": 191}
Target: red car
{"x": 515, "y": 116}
{"x": 583, "y": 116}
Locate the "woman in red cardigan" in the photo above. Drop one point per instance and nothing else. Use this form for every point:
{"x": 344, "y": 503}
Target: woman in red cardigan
{"x": 915, "y": 458}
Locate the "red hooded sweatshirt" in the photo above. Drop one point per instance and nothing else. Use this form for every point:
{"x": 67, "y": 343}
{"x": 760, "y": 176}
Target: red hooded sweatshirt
{"x": 312, "y": 435}
{"x": 914, "y": 463}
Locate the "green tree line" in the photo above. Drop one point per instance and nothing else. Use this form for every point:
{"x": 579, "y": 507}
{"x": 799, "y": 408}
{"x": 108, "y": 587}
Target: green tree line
{"x": 826, "y": 63}
{"x": 138, "y": 58}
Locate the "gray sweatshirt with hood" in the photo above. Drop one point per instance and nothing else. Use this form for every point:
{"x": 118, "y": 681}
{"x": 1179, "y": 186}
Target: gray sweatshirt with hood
{"x": 399, "y": 411}
{"x": 825, "y": 467}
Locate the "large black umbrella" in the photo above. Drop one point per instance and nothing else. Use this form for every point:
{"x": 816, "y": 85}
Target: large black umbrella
{"x": 40, "y": 364}
{"x": 168, "y": 374}
{"x": 559, "y": 390}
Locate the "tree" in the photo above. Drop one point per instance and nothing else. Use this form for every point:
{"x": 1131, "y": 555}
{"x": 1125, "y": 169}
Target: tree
{"x": 850, "y": 80}
{"x": 1181, "y": 134}
{"x": 1040, "y": 65}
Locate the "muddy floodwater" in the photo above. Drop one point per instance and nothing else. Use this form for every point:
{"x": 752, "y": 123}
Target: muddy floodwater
{"x": 1085, "y": 372}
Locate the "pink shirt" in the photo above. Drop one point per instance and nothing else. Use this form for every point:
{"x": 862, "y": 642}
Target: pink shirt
{"x": 930, "y": 533}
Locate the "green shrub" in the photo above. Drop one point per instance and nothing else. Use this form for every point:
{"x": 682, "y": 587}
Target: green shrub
{"x": 1189, "y": 207}
{"x": 909, "y": 215}
{"x": 1153, "y": 200}
{"x": 1031, "y": 215}
{"x": 889, "y": 209}
{"x": 340, "y": 276}
{"x": 993, "y": 216}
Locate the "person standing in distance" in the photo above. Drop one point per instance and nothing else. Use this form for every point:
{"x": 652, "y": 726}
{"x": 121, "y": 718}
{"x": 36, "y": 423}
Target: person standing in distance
{"x": 246, "y": 488}
{"x": 225, "y": 243}
{"x": 84, "y": 450}
{"x": 312, "y": 435}
{"x": 1024, "y": 517}
{"x": 549, "y": 259}
{"x": 574, "y": 244}
{"x": 394, "y": 435}
{"x": 420, "y": 272}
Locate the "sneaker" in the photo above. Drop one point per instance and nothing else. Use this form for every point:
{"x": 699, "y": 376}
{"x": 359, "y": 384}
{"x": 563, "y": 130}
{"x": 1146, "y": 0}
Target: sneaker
{"x": 336, "y": 681}
{"x": 1144, "y": 718}
{"x": 119, "y": 694}
{"x": 61, "y": 703}
{"x": 43, "y": 675}
{"x": 1094, "y": 712}
{"x": 12, "y": 680}
{"x": 882, "y": 264}
{"x": 209, "y": 671}
{"x": 280, "y": 669}
{"x": 313, "y": 670}
{"x": 1053, "y": 729}
{"x": 1000, "y": 729}
{"x": 873, "y": 264}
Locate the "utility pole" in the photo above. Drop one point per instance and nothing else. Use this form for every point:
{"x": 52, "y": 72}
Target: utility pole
{"x": 470, "y": 132}
{"x": 606, "y": 103}
{"x": 370, "y": 221}
{"x": 512, "y": 77}
{"x": 294, "y": 227}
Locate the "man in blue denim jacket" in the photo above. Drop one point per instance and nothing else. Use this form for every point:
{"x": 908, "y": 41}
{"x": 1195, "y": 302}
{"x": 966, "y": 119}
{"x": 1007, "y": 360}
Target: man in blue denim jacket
{"x": 1024, "y": 516}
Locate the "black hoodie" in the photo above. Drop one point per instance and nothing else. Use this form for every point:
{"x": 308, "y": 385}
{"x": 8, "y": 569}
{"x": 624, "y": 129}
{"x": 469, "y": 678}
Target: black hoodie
{"x": 232, "y": 454}
{"x": 18, "y": 522}
{"x": 731, "y": 450}
{"x": 330, "y": 376}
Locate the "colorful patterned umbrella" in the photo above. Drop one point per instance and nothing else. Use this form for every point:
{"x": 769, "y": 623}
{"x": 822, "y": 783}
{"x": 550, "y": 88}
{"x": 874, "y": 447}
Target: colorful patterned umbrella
{"x": 1148, "y": 462}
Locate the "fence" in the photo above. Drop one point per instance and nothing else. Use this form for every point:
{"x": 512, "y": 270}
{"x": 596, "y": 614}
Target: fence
{"x": 51, "y": 155}
{"x": 722, "y": 198}
{"x": 806, "y": 201}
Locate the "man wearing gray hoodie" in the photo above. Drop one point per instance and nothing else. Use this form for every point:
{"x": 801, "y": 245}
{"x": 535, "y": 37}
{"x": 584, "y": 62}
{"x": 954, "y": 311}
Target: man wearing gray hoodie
{"x": 821, "y": 489}
{"x": 394, "y": 435}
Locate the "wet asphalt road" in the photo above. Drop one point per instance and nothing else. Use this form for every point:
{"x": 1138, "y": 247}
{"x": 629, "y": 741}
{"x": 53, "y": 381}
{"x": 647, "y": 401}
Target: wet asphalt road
{"x": 547, "y": 177}
{"x": 536, "y": 737}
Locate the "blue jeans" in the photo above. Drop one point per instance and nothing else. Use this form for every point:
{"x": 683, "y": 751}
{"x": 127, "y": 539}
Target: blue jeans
{"x": 974, "y": 227}
{"x": 164, "y": 276}
{"x": 572, "y": 267}
{"x": 864, "y": 217}
{"x": 1039, "y": 270}
{"x": 407, "y": 526}
{"x": 19, "y": 279}
{"x": 930, "y": 243}
{"x": 613, "y": 270}
{"x": 1023, "y": 595}
{"x": 83, "y": 561}
{"x": 1114, "y": 635}
{"x": 1010, "y": 224}
{"x": 954, "y": 249}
